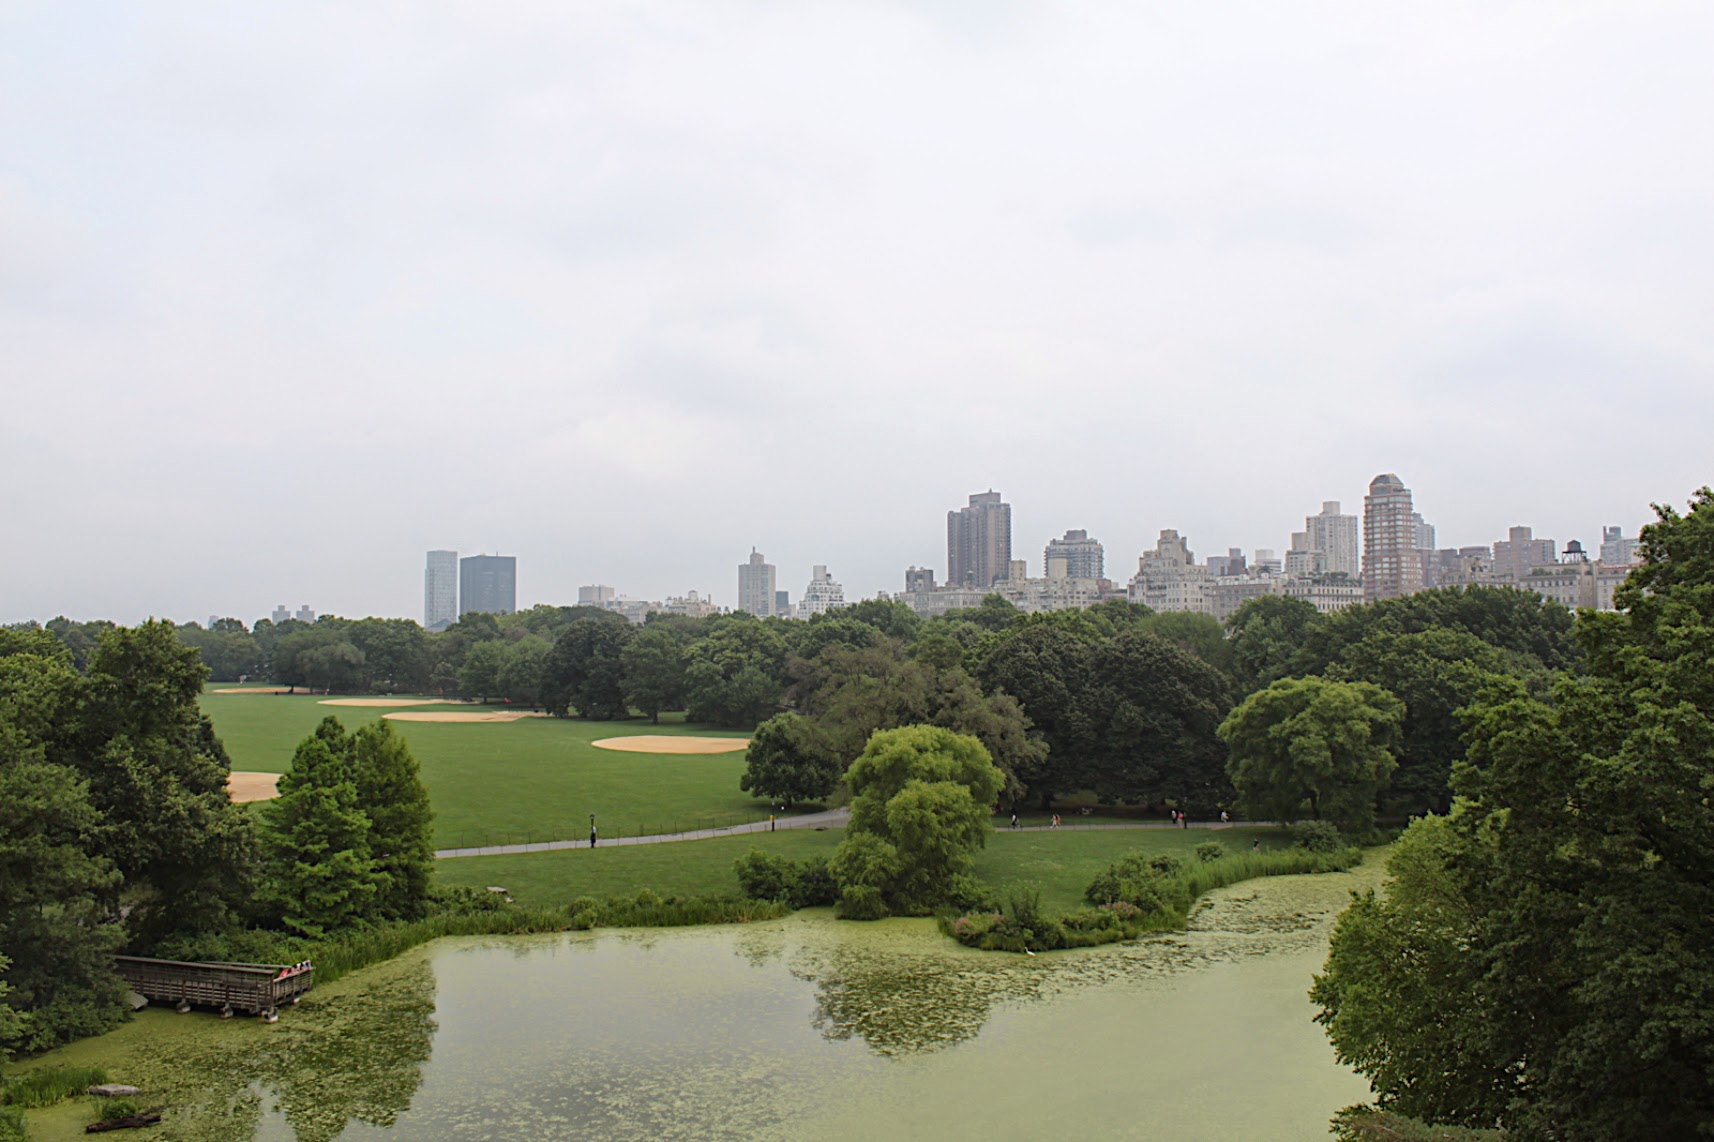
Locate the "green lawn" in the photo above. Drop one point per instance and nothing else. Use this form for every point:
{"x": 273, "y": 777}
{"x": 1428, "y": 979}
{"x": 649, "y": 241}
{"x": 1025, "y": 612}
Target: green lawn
{"x": 536, "y": 779}
{"x": 1061, "y": 863}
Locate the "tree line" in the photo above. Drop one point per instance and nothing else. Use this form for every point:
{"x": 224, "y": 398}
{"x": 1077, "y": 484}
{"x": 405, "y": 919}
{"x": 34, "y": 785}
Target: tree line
{"x": 117, "y": 833}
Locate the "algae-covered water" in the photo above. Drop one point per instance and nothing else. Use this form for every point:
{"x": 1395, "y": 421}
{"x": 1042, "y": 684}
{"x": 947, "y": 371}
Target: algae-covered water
{"x": 803, "y": 1027}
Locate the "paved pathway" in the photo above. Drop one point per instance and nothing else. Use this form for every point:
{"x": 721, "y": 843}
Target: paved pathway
{"x": 831, "y": 819}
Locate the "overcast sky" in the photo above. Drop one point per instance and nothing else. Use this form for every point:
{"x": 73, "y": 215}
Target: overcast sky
{"x": 290, "y": 294}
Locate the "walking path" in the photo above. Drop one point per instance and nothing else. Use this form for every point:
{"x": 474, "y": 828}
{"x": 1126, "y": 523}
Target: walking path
{"x": 830, "y": 819}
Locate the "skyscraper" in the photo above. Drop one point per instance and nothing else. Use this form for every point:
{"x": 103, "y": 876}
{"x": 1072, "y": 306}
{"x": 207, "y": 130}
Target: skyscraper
{"x": 979, "y": 542}
{"x": 1335, "y": 536}
{"x": 756, "y": 585}
{"x": 1084, "y": 557}
{"x": 487, "y": 584}
{"x": 822, "y": 594}
{"x": 440, "y": 590}
{"x": 1391, "y": 566}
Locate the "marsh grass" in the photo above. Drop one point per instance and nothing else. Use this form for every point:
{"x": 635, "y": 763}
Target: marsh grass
{"x": 46, "y": 1087}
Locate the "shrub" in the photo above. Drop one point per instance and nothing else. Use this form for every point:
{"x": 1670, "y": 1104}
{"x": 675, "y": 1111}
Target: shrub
{"x": 12, "y": 1124}
{"x": 764, "y": 876}
{"x": 1210, "y": 850}
{"x": 861, "y": 902}
{"x": 815, "y": 886}
{"x": 1317, "y": 836}
{"x": 114, "y": 1109}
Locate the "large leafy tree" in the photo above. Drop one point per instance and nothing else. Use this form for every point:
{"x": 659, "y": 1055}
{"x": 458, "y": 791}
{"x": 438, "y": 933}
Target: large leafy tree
{"x": 734, "y": 675}
{"x": 1576, "y": 879}
{"x": 920, "y": 806}
{"x": 584, "y": 670}
{"x": 1048, "y": 667}
{"x": 1265, "y": 638}
{"x": 790, "y": 760}
{"x": 1311, "y": 747}
{"x": 652, "y": 670}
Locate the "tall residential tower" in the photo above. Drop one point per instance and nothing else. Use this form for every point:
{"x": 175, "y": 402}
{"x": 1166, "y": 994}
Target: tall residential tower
{"x": 1084, "y": 557}
{"x": 1392, "y": 567}
{"x": 756, "y": 585}
{"x": 440, "y": 590}
{"x": 979, "y": 542}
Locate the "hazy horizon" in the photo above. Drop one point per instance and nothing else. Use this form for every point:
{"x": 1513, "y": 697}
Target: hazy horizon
{"x": 291, "y": 295}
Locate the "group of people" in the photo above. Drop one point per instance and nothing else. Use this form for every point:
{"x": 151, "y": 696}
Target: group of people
{"x": 296, "y": 969}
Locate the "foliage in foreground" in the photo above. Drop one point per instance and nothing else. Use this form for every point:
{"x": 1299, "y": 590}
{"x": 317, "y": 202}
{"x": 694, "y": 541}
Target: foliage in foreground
{"x": 1543, "y": 958}
{"x": 1367, "y": 1124}
{"x": 1138, "y": 893}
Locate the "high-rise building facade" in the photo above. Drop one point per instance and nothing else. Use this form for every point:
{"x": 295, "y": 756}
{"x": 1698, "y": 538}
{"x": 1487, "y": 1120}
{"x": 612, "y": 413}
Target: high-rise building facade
{"x": 1521, "y": 552}
{"x": 1617, "y": 548}
{"x": 1335, "y": 536}
{"x": 440, "y": 590}
{"x": 822, "y": 594}
{"x": 487, "y": 584}
{"x": 597, "y": 595}
{"x": 756, "y": 585}
{"x": 1084, "y": 557}
{"x": 979, "y": 542}
{"x": 1392, "y": 568}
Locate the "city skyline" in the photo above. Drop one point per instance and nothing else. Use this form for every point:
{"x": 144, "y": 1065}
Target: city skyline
{"x": 576, "y": 283}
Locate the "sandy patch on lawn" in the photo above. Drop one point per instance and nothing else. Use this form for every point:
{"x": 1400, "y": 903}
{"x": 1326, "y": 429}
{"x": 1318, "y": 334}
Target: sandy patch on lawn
{"x": 261, "y": 690}
{"x": 487, "y": 716}
{"x": 253, "y": 786}
{"x": 382, "y": 702}
{"x": 663, "y": 743}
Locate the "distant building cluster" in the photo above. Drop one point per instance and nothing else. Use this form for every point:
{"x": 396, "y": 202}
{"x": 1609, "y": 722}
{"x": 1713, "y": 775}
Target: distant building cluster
{"x": 1338, "y": 560}
{"x": 281, "y": 614}
{"x": 454, "y": 587}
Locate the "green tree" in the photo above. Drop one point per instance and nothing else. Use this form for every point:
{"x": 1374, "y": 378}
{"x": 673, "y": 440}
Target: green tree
{"x": 734, "y": 675}
{"x": 479, "y": 677}
{"x": 157, "y": 776}
{"x": 1266, "y": 638}
{"x": 321, "y": 874}
{"x": 791, "y": 760}
{"x": 519, "y": 678}
{"x": 391, "y": 793}
{"x": 1309, "y": 746}
{"x": 921, "y": 800}
{"x": 584, "y": 670}
{"x": 652, "y": 671}
{"x": 1572, "y": 890}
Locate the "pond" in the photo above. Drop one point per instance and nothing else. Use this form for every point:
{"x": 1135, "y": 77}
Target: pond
{"x": 804, "y": 1027}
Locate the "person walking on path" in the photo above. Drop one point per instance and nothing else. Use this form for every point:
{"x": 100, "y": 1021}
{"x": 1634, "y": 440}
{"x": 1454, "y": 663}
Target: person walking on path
{"x": 1014, "y": 818}
{"x": 1184, "y": 819}
{"x": 1224, "y": 819}
{"x": 1056, "y": 820}
{"x": 592, "y": 834}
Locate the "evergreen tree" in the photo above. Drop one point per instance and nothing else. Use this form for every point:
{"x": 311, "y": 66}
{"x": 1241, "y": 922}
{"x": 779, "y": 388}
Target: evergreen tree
{"x": 391, "y": 792}
{"x": 321, "y": 872}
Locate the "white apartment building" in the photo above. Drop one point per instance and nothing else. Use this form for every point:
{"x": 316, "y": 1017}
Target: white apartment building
{"x": 822, "y": 594}
{"x": 1168, "y": 578}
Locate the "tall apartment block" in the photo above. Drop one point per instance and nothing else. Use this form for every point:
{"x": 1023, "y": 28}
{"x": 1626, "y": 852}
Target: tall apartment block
{"x": 979, "y": 542}
{"x": 1521, "y": 552}
{"x": 1084, "y": 557}
{"x": 440, "y": 590}
{"x": 822, "y": 595}
{"x": 487, "y": 584}
{"x": 756, "y": 585}
{"x": 1335, "y": 535}
{"x": 1392, "y": 567}
{"x": 1617, "y": 548}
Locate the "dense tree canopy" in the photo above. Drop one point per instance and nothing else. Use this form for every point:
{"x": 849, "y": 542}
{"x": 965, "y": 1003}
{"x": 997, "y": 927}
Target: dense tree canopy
{"x": 1568, "y": 899}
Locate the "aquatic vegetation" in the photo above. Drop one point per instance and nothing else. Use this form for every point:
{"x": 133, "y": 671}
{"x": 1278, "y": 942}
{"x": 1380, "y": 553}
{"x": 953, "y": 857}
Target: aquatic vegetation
{"x": 48, "y": 1086}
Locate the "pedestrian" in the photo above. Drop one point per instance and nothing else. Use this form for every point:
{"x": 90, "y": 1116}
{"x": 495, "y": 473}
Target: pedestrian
{"x": 592, "y": 834}
{"x": 1184, "y": 819}
{"x": 1056, "y": 820}
{"x": 1014, "y": 818}
{"x": 1256, "y": 845}
{"x": 770, "y": 822}
{"x": 1224, "y": 819}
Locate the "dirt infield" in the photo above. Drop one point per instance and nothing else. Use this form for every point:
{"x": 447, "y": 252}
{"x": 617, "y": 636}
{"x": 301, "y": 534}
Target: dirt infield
{"x": 662, "y": 743}
{"x": 382, "y": 702}
{"x": 253, "y": 786}
{"x": 440, "y": 716}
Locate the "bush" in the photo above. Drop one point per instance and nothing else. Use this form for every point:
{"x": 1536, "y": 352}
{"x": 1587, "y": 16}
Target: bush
{"x": 815, "y": 886}
{"x": 861, "y": 902}
{"x": 114, "y": 1109}
{"x": 1317, "y": 836}
{"x": 1210, "y": 850}
{"x": 802, "y": 884}
{"x": 12, "y": 1124}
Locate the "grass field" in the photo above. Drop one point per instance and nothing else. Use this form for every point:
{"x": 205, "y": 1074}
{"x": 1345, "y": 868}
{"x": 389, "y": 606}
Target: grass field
{"x": 1060, "y": 863}
{"x": 537, "y": 779}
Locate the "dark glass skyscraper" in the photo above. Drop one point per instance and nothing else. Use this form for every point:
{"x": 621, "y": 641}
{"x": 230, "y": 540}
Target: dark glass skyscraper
{"x": 487, "y": 584}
